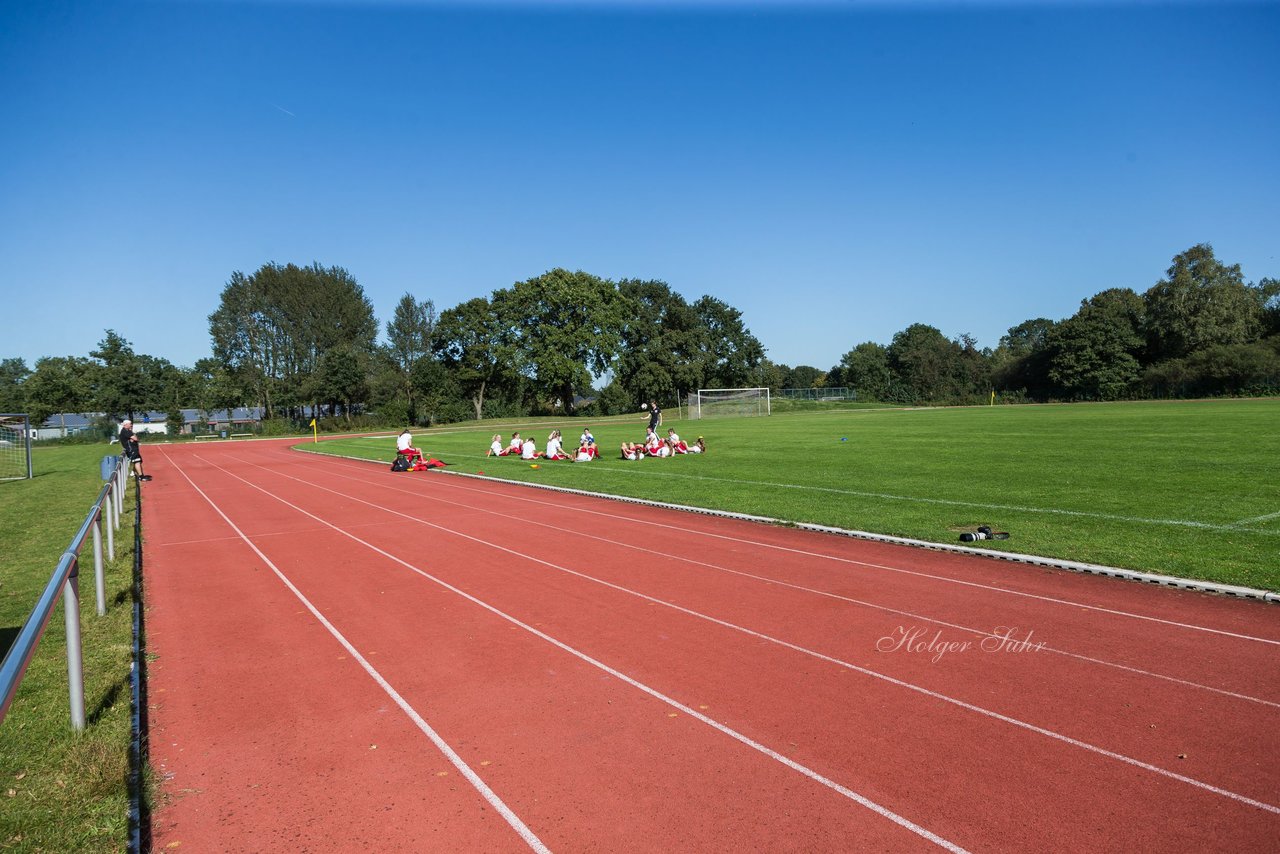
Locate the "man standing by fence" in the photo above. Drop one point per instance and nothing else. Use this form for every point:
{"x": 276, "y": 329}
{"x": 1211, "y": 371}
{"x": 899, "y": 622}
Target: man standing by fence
{"x": 129, "y": 448}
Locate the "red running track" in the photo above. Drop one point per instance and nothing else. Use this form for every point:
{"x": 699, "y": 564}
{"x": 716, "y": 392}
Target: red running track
{"x": 350, "y": 659}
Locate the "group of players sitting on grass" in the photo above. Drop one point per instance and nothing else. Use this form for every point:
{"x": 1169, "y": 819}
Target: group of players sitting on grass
{"x": 653, "y": 446}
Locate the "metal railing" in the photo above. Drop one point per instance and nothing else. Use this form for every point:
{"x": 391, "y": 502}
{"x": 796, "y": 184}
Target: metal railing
{"x": 820, "y": 393}
{"x": 64, "y": 584}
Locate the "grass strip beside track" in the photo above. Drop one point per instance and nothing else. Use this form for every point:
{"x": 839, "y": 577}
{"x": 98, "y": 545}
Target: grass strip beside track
{"x": 62, "y": 791}
{"x": 1175, "y": 488}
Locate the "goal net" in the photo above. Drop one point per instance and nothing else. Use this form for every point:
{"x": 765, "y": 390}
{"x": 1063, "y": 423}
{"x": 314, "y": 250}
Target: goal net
{"x": 728, "y": 402}
{"x": 15, "y": 446}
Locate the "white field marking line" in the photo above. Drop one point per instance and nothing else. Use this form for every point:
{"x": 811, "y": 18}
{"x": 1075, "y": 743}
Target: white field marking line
{"x": 869, "y": 565}
{"x": 1066, "y": 739}
{"x": 1234, "y": 526}
{"x": 382, "y": 437}
{"x": 827, "y": 594}
{"x": 1266, "y": 518}
{"x": 457, "y": 761}
{"x": 945, "y": 501}
{"x": 617, "y": 674}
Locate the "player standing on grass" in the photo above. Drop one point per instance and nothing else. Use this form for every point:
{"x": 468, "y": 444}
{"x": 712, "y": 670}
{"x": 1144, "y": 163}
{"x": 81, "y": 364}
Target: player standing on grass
{"x": 655, "y": 416}
{"x": 129, "y": 447}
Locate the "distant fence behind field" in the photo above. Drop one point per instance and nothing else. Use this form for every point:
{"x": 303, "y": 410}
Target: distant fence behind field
{"x": 818, "y": 393}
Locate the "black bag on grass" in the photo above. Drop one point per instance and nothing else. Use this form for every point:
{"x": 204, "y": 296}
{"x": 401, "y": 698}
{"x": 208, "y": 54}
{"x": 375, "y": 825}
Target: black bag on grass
{"x": 400, "y": 464}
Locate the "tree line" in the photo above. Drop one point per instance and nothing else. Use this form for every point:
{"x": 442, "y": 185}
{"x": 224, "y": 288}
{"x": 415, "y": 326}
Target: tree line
{"x": 1199, "y": 331}
{"x": 301, "y": 341}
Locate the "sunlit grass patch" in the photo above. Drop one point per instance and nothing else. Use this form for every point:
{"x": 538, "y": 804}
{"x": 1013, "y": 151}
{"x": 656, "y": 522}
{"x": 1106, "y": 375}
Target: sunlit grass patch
{"x": 59, "y": 790}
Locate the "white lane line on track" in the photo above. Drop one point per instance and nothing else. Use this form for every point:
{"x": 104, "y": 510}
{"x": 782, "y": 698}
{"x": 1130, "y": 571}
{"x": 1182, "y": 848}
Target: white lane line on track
{"x": 844, "y": 560}
{"x": 826, "y": 594}
{"x": 457, "y": 761}
{"x": 1066, "y": 739}
{"x": 290, "y": 533}
{"x": 882, "y": 811}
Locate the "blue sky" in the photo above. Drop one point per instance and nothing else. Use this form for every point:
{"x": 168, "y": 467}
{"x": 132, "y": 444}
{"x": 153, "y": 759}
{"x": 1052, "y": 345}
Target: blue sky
{"x": 836, "y": 171}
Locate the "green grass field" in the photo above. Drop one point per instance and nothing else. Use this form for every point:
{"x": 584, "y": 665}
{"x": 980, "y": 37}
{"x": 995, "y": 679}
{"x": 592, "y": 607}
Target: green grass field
{"x": 1189, "y": 489}
{"x": 62, "y": 791}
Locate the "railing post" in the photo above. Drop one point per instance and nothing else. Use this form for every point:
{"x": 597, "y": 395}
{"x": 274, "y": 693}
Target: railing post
{"x": 99, "y": 575}
{"x": 120, "y": 485}
{"x": 75, "y": 657}
{"x": 110, "y": 523}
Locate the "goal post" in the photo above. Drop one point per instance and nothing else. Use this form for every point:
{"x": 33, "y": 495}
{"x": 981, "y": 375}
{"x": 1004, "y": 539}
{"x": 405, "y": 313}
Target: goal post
{"x": 15, "y": 446}
{"x": 729, "y": 402}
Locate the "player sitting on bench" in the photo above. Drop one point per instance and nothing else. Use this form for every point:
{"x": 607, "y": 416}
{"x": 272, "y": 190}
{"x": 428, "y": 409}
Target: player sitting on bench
{"x": 405, "y": 448}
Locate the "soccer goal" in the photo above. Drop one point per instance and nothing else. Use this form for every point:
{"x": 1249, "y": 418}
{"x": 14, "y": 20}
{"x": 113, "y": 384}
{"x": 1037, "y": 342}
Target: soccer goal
{"x": 15, "y": 446}
{"x": 728, "y": 402}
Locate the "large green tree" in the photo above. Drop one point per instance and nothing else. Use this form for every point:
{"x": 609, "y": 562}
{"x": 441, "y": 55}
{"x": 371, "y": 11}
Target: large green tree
{"x": 803, "y": 376}
{"x": 58, "y": 385}
{"x": 1021, "y": 360}
{"x": 409, "y": 339}
{"x": 169, "y": 388}
{"x": 275, "y": 329}
{"x": 437, "y": 392}
{"x": 769, "y": 374}
{"x": 1268, "y": 291}
{"x": 662, "y": 342}
{"x": 341, "y": 379}
{"x": 728, "y": 353}
{"x": 213, "y": 387}
{"x": 564, "y": 327}
{"x": 1095, "y": 351}
{"x": 246, "y": 334}
{"x": 13, "y": 372}
{"x": 865, "y": 369}
{"x": 926, "y": 363}
{"x": 470, "y": 339}
{"x": 1201, "y": 303}
{"x": 121, "y": 388}
{"x": 973, "y": 370}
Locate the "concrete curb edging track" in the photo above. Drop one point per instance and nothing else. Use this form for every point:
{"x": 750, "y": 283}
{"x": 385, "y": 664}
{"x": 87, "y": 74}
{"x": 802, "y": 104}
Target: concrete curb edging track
{"x": 1013, "y": 557}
